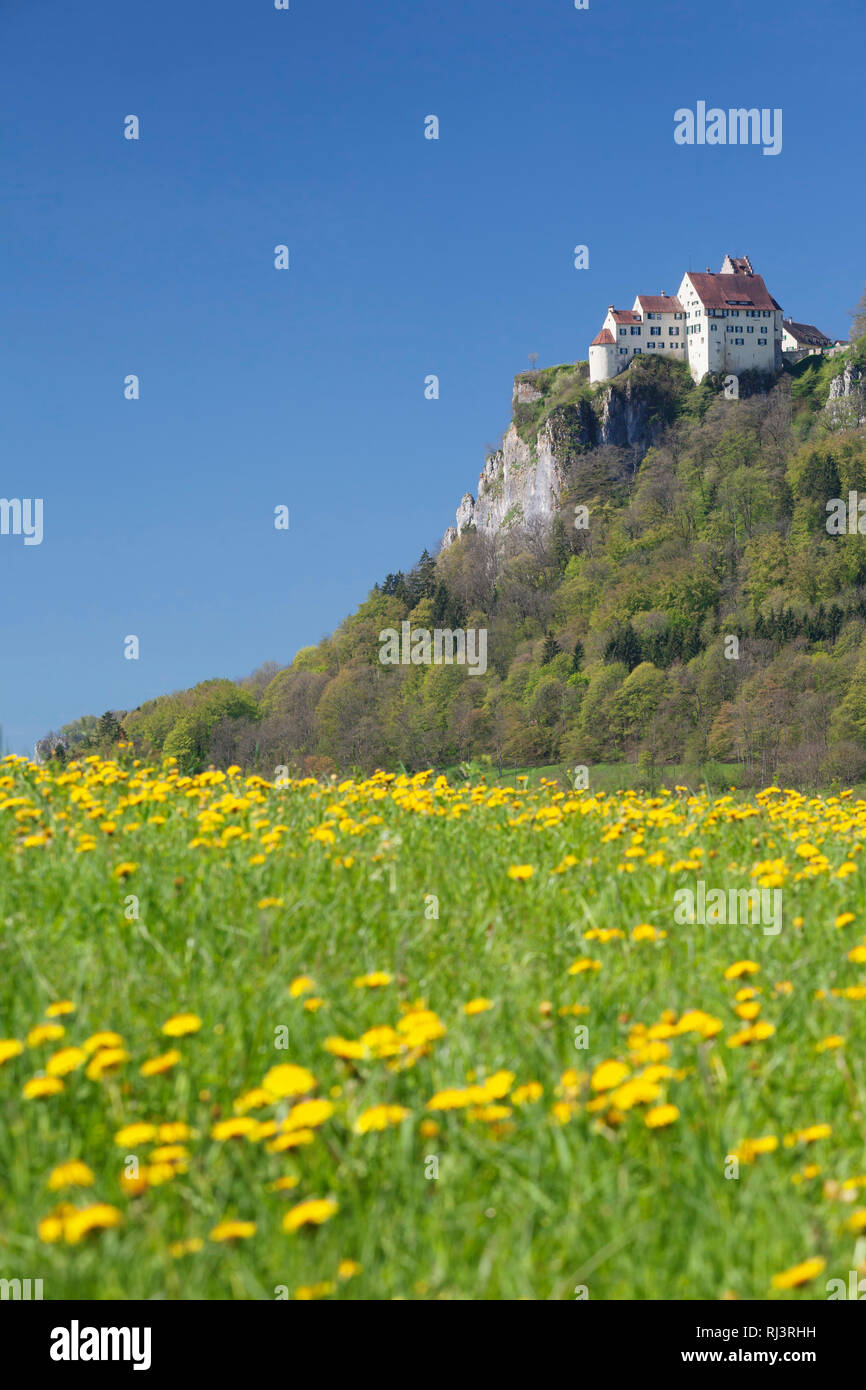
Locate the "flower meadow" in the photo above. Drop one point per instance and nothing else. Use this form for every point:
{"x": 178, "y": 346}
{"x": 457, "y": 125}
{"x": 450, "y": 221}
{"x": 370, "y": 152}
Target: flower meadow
{"x": 397, "y": 1038}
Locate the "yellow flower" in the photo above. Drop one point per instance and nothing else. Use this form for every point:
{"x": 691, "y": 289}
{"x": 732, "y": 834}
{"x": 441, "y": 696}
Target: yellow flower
{"x": 132, "y": 1135}
{"x": 50, "y": 1228}
{"x": 645, "y": 932}
{"x": 347, "y": 1269}
{"x": 826, "y": 1044}
{"x": 308, "y": 1114}
{"x": 661, "y": 1115}
{"x": 174, "y": 1131}
{"x": 170, "y": 1153}
{"x": 253, "y": 1100}
{"x": 180, "y": 1024}
{"x": 307, "y": 1292}
{"x": 844, "y": 918}
{"x": 310, "y": 1213}
{"x": 607, "y": 1075}
{"x": 345, "y": 1047}
{"x": 71, "y": 1174}
{"x": 799, "y": 1274}
{"x": 179, "y": 1248}
{"x": 525, "y": 1095}
{"x": 750, "y": 1149}
{"x": 584, "y": 963}
{"x": 857, "y": 955}
{"x": 10, "y": 1047}
{"x": 63, "y": 1006}
{"x": 374, "y": 980}
{"x": 284, "y": 1184}
{"x": 102, "y": 1040}
{"x": 293, "y": 1140}
{"x": 157, "y": 1065}
{"x": 521, "y": 871}
{"x": 288, "y": 1080}
{"x": 235, "y": 1128}
{"x": 302, "y": 985}
{"x": 66, "y": 1060}
{"x": 124, "y": 870}
{"x": 96, "y": 1218}
{"x": 477, "y": 1006}
{"x": 40, "y": 1086}
{"x": 45, "y": 1032}
{"x": 857, "y": 1220}
{"x": 741, "y": 967}
{"x": 810, "y": 1135}
{"x": 380, "y": 1117}
{"x": 105, "y": 1061}
{"x": 233, "y": 1230}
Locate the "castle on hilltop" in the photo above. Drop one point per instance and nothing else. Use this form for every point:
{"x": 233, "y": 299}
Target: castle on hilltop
{"x": 727, "y": 322}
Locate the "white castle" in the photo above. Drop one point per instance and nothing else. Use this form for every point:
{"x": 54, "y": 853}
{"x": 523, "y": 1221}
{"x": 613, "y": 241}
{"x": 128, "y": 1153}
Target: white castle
{"x": 727, "y": 322}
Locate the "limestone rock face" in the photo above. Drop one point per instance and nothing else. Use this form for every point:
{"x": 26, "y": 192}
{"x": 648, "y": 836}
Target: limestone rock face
{"x": 846, "y": 403}
{"x": 517, "y": 486}
{"x": 521, "y": 484}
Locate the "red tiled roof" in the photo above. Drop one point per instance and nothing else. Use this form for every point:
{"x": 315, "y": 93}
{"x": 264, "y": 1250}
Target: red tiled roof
{"x": 660, "y": 304}
{"x": 731, "y": 291}
{"x": 806, "y": 333}
{"x": 625, "y": 316}
{"x": 603, "y": 338}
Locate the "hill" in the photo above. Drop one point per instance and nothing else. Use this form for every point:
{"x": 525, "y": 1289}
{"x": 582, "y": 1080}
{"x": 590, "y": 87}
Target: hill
{"x": 652, "y": 568}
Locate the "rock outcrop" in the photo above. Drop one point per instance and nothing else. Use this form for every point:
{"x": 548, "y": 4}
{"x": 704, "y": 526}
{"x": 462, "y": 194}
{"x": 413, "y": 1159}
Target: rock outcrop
{"x": 846, "y": 403}
{"x": 521, "y": 484}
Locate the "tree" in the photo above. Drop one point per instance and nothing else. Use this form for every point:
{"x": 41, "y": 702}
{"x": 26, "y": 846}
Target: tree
{"x": 858, "y": 318}
{"x": 533, "y": 358}
{"x": 110, "y": 728}
{"x": 550, "y": 648}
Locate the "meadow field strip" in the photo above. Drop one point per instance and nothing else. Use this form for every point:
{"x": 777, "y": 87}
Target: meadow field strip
{"x": 398, "y": 1038}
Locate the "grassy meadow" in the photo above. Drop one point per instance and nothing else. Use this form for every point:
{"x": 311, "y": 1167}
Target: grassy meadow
{"x": 401, "y": 1038}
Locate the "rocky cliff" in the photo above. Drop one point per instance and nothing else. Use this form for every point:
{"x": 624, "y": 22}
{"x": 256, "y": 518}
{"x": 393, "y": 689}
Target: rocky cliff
{"x": 557, "y": 418}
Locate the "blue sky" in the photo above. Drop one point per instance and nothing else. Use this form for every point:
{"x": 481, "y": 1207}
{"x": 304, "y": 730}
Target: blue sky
{"x": 408, "y": 257}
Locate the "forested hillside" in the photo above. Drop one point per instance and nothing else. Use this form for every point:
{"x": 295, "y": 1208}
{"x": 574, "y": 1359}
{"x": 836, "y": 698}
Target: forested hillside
{"x": 609, "y": 641}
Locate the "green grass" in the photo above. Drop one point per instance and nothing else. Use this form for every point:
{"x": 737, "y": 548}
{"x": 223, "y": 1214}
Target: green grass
{"x": 530, "y": 1208}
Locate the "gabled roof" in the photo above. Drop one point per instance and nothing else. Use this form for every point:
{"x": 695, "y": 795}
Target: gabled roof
{"x": 625, "y": 316}
{"x": 659, "y": 304}
{"x": 806, "y": 333}
{"x": 731, "y": 291}
{"x": 603, "y": 338}
{"x": 738, "y": 265}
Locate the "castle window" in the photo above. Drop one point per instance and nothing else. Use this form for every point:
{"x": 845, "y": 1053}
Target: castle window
{"x": 673, "y": 332}
{"x": 750, "y": 329}
{"x": 635, "y": 330}
{"x": 762, "y": 342}
{"x": 623, "y": 332}
{"x": 655, "y": 332}
{"x": 623, "y": 352}
{"x": 739, "y": 342}
{"x": 637, "y": 352}
{"x": 650, "y": 345}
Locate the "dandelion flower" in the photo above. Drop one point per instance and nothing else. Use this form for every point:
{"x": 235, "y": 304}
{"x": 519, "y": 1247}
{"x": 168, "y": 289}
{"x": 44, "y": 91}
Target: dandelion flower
{"x": 313, "y": 1212}
{"x": 179, "y": 1025}
{"x": 799, "y": 1274}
